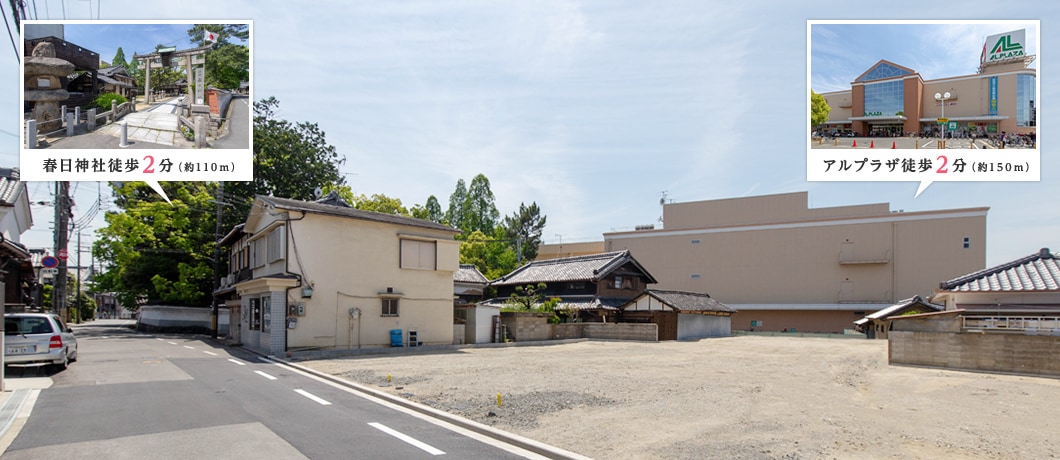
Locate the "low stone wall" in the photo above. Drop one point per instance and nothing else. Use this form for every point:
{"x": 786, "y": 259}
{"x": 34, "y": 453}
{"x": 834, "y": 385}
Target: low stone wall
{"x": 646, "y": 332}
{"x": 526, "y": 327}
{"x": 192, "y": 320}
{"x": 1024, "y": 354}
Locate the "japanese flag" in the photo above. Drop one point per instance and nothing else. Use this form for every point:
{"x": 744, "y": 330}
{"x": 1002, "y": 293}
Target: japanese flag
{"x": 209, "y": 36}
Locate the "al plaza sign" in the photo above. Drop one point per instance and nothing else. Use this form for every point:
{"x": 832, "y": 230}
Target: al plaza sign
{"x": 1003, "y": 47}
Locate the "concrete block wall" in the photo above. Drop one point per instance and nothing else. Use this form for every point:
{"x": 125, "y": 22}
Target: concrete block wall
{"x": 1025, "y": 354}
{"x": 646, "y": 332}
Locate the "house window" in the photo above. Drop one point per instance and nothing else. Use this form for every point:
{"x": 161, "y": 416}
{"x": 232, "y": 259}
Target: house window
{"x": 618, "y": 282}
{"x": 695, "y": 241}
{"x": 694, "y": 276}
{"x": 967, "y": 242}
{"x": 390, "y": 307}
{"x": 257, "y": 253}
{"x": 418, "y": 255}
{"x": 275, "y": 245}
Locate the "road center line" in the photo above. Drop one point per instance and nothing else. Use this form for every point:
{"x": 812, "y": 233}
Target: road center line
{"x": 409, "y": 439}
{"x": 313, "y": 397}
{"x": 190, "y": 348}
{"x": 172, "y": 343}
{"x": 210, "y": 353}
{"x": 241, "y": 363}
{"x": 265, "y": 375}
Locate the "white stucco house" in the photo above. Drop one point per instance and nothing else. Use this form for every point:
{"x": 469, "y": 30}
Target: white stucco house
{"x": 324, "y": 275}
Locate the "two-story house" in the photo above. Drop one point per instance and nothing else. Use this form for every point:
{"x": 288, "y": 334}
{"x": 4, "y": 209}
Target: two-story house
{"x": 325, "y": 275}
{"x": 596, "y": 285}
{"x": 19, "y": 280}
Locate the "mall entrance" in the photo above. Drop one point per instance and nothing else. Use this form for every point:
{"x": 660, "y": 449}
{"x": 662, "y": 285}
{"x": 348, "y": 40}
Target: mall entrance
{"x": 885, "y": 129}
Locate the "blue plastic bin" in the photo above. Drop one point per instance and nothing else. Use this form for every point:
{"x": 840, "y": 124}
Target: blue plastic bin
{"x": 396, "y": 338}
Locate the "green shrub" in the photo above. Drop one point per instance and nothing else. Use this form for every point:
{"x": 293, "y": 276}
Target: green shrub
{"x": 103, "y": 101}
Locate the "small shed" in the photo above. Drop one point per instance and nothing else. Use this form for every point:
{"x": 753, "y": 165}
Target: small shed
{"x": 680, "y": 315}
{"x": 876, "y": 325}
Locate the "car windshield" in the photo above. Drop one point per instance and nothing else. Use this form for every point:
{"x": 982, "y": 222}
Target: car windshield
{"x": 27, "y": 325}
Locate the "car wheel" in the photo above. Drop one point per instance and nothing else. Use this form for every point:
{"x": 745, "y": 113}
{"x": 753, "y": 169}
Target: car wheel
{"x": 64, "y": 364}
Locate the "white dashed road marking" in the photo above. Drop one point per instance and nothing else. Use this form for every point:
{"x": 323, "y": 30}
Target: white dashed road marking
{"x": 309, "y": 395}
{"x": 409, "y": 439}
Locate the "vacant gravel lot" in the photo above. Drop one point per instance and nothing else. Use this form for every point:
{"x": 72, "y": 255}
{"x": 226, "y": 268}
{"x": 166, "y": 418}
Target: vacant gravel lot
{"x": 739, "y": 397}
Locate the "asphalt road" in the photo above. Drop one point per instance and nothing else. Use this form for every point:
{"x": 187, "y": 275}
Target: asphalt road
{"x": 237, "y": 125}
{"x": 133, "y": 395}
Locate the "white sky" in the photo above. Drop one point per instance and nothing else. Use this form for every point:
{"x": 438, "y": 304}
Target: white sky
{"x": 592, "y": 109}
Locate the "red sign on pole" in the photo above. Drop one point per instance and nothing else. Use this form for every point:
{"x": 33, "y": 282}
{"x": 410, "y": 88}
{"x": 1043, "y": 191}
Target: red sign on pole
{"x": 62, "y": 254}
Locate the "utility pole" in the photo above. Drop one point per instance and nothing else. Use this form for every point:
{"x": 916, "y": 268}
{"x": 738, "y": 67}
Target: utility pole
{"x": 62, "y": 215}
{"x": 217, "y": 257}
{"x": 77, "y": 300}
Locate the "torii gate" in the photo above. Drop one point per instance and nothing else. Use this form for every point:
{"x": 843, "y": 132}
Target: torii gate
{"x": 165, "y": 56}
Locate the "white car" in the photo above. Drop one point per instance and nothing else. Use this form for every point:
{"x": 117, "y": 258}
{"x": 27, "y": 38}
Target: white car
{"x": 38, "y": 339}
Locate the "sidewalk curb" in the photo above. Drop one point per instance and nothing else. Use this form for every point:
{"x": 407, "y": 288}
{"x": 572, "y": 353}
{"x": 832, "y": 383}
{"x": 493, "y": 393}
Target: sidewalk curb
{"x": 528, "y": 444}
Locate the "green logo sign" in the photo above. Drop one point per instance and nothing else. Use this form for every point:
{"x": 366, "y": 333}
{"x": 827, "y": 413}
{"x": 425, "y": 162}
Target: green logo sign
{"x": 873, "y": 114}
{"x": 1005, "y": 48}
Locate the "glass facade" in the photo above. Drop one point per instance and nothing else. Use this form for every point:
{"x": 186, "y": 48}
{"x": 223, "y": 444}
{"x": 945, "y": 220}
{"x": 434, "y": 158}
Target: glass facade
{"x": 881, "y": 71}
{"x": 1025, "y": 100}
{"x": 884, "y": 99}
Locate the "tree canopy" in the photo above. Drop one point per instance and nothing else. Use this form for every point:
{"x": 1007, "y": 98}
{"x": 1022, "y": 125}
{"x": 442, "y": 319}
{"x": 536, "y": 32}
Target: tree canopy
{"x": 227, "y": 63}
{"x": 157, "y": 251}
{"x": 119, "y": 59}
{"x": 525, "y": 226}
{"x": 291, "y": 160}
{"x": 819, "y": 109}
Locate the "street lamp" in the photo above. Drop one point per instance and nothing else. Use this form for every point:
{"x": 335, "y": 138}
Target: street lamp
{"x": 942, "y": 97}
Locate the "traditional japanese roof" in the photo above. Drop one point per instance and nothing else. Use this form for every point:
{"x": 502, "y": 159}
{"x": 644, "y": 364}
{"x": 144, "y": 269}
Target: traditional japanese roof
{"x": 113, "y": 70}
{"x": 581, "y": 268}
{"x": 9, "y": 186}
{"x": 110, "y": 81}
{"x": 468, "y": 273}
{"x": 684, "y": 301}
{"x": 345, "y": 211}
{"x": 1036, "y": 272}
{"x": 897, "y": 309}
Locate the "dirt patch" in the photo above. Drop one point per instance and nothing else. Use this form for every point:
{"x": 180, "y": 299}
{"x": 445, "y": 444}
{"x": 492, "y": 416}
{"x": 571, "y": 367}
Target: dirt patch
{"x": 740, "y": 397}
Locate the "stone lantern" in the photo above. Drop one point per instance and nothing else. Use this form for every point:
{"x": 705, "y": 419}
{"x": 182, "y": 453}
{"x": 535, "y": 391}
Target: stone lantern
{"x": 43, "y": 86}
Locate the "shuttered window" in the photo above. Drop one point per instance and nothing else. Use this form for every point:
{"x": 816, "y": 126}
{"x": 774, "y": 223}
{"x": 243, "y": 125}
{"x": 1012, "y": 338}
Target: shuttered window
{"x": 419, "y": 255}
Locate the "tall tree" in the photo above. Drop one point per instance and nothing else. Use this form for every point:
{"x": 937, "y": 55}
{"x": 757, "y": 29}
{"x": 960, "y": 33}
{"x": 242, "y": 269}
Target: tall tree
{"x": 291, "y": 160}
{"x": 492, "y": 259}
{"x": 119, "y": 59}
{"x": 525, "y": 226}
{"x": 454, "y": 216}
{"x": 434, "y": 210}
{"x": 227, "y": 63}
{"x": 156, "y": 251}
{"x": 480, "y": 212}
{"x": 819, "y": 110}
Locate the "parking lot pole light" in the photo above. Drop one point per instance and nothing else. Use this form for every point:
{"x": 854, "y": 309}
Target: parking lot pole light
{"x": 942, "y": 97}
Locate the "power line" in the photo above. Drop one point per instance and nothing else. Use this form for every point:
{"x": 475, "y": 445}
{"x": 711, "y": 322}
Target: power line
{"x": 9, "y": 36}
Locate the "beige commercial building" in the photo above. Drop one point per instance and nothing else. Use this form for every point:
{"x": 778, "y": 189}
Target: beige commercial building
{"x": 889, "y": 99}
{"x": 787, "y": 267}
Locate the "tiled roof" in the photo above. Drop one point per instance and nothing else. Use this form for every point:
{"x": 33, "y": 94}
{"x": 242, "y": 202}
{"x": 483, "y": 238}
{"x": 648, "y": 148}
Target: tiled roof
{"x": 468, "y": 273}
{"x": 1036, "y": 272}
{"x": 898, "y": 307}
{"x": 581, "y": 268}
{"x": 688, "y": 301}
{"x": 9, "y": 185}
{"x": 342, "y": 211}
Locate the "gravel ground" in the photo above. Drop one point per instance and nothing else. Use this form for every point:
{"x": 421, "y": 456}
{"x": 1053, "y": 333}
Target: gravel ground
{"x": 739, "y": 397}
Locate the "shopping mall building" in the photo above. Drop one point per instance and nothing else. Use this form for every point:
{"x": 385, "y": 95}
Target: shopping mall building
{"x": 889, "y": 99}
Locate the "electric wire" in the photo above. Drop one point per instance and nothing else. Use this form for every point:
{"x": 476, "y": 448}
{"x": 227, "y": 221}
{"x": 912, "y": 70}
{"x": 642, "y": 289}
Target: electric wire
{"x": 9, "y": 36}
